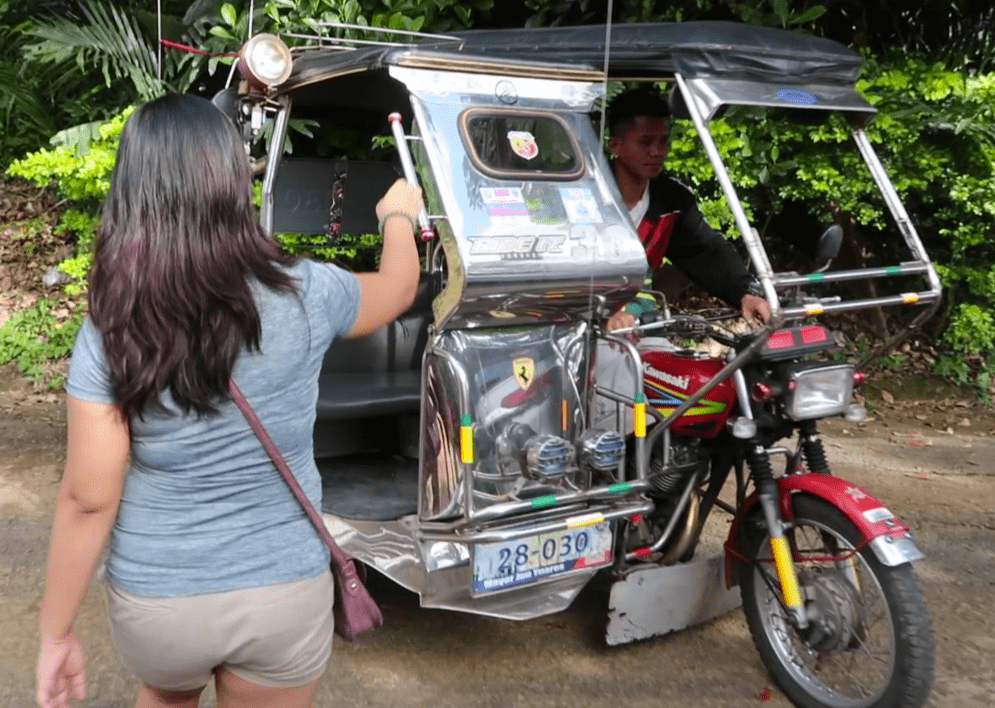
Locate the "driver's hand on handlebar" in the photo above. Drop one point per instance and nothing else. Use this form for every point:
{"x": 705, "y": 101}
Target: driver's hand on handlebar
{"x": 622, "y": 320}
{"x": 754, "y": 309}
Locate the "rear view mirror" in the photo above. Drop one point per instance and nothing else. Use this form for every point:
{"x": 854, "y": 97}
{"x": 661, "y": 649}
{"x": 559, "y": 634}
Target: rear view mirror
{"x": 226, "y": 101}
{"x": 828, "y": 246}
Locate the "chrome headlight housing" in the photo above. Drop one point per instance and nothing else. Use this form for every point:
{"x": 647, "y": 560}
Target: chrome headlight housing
{"x": 547, "y": 457}
{"x": 265, "y": 60}
{"x": 600, "y": 450}
{"x": 818, "y": 391}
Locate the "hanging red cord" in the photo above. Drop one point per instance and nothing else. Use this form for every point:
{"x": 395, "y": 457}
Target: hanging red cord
{"x": 188, "y": 48}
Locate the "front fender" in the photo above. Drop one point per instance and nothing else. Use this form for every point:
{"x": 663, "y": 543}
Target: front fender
{"x": 888, "y": 537}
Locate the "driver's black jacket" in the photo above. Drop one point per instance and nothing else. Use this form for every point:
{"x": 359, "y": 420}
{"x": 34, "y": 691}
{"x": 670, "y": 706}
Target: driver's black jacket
{"x": 674, "y": 227}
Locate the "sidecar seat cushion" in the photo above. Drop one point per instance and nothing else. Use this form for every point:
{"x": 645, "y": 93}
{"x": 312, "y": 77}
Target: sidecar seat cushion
{"x": 379, "y": 374}
{"x": 365, "y": 395}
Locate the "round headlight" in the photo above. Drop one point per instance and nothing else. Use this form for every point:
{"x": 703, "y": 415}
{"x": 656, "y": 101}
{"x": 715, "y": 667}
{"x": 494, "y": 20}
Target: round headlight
{"x": 547, "y": 457}
{"x": 600, "y": 450}
{"x": 266, "y": 60}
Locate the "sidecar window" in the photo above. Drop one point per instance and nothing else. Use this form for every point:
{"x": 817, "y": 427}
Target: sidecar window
{"x": 509, "y": 144}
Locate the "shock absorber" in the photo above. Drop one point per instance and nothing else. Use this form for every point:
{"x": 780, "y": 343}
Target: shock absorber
{"x": 767, "y": 492}
{"x": 815, "y": 453}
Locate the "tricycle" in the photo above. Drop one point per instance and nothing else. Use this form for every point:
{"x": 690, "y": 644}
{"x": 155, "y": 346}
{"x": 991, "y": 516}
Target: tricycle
{"x": 460, "y": 448}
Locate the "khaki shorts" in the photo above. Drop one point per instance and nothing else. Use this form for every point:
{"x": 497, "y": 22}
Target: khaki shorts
{"x": 273, "y": 635}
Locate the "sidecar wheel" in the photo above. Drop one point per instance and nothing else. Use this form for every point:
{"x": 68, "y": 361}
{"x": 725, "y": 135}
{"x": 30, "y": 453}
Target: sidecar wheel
{"x": 870, "y": 641}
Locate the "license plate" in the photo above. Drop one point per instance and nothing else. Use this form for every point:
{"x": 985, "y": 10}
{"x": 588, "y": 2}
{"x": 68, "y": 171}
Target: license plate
{"x": 497, "y": 566}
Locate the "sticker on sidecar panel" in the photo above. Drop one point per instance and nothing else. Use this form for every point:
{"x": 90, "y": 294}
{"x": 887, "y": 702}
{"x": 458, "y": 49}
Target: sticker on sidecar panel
{"x": 502, "y": 195}
{"x": 523, "y": 144}
{"x": 505, "y": 206}
{"x": 517, "y": 246}
{"x": 580, "y": 205}
{"x": 797, "y": 96}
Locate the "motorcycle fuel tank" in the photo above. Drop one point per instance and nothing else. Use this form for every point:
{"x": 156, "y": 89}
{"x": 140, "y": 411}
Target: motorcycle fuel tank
{"x": 670, "y": 377}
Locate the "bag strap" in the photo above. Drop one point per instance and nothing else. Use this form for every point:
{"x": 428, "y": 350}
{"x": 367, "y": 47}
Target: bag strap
{"x": 338, "y": 555}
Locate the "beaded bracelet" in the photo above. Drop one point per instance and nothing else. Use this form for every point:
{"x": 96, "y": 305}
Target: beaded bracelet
{"x": 383, "y": 221}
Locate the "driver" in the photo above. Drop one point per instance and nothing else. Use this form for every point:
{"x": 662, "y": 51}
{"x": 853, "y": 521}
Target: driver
{"x": 666, "y": 214}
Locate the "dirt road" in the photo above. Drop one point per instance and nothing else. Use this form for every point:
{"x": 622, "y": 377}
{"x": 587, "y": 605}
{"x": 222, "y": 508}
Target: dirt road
{"x": 941, "y": 483}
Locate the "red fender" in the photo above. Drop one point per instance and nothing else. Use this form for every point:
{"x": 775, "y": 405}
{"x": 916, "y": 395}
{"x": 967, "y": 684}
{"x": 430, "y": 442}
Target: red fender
{"x": 865, "y": 510}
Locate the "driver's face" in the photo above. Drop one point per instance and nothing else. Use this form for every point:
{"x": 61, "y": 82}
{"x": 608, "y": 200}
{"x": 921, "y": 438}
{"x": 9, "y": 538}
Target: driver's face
{"x": 642, "y": 149}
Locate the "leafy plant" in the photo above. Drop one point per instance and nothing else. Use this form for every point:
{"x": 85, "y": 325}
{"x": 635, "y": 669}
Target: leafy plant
{"x": 892, "y": 361}
{"x": 34, "y": 335}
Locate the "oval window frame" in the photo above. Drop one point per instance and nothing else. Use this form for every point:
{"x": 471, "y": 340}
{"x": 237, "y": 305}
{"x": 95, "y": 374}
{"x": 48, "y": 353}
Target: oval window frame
{"x": 497, "y": 173}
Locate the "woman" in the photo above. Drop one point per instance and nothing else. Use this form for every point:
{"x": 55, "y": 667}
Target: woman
{"x": 212, "y": 567}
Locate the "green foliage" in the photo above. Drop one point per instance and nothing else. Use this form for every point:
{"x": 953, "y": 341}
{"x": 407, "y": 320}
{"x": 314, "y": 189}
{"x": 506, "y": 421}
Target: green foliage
{"x": 32, "y": 336}
{"x": 358, "y": 252}
{"x": 953, "y": 367}
{"x": 315, "y": 16}
{"x": 110, "y": 41}
{"x": 776, "y": 13}
{"x": 80, "y": 178}
{"x": 892, "y": 362}
{"x": 83, "y": 180}
{"x": 971, "y": 330}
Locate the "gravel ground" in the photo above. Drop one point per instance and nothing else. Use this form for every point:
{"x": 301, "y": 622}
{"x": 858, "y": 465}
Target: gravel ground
{"x": 939, "y": 482}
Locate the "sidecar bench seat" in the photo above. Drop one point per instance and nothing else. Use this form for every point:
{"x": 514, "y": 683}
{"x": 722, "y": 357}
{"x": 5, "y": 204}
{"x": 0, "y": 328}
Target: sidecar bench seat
{"x": 379, "y": 374}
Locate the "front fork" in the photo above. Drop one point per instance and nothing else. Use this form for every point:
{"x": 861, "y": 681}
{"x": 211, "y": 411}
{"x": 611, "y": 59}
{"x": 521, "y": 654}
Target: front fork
{"x": 767, "y": 493}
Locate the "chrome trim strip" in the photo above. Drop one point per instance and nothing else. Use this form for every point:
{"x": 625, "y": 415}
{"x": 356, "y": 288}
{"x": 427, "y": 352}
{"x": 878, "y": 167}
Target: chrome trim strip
{"x": 892, "y": 551}
{"x": 921, "y": 298}
{"x": 758, "y": 256}
{"x": 509, "y": 534}
{"x": 477, "y": 65}
{"x": 782, "y": 280}
{"x": 273, "y": 162}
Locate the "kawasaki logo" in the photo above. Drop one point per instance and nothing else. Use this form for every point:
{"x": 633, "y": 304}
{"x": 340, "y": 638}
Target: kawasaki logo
{"x": 679, "y": 381}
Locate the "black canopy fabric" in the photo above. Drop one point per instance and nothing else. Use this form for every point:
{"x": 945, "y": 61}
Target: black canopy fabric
{"x": 693, "y": 49}
{"x": 638, "y": 51}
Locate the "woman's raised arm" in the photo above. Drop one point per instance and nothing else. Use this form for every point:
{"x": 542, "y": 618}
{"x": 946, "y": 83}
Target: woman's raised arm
{"x": 390, "y": 291}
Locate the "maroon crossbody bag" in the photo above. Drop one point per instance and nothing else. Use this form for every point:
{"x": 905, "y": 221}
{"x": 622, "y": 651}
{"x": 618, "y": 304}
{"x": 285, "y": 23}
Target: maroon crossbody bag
{"x": 355, "y": 611}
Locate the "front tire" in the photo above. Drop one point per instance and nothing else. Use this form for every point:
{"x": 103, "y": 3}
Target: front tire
{"x": 870, "y": 641}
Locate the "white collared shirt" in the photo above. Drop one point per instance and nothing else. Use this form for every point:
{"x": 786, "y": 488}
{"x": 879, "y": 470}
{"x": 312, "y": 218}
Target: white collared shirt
{"x": 637, "y": 212}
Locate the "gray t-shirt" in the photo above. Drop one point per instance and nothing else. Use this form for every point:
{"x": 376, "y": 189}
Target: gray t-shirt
{"x": 203, "y": 508}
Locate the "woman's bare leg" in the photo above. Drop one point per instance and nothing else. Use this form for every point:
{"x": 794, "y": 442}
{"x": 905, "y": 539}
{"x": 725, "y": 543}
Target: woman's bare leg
{"x": 149, "y": 697}
{"x": 235, "y": 692}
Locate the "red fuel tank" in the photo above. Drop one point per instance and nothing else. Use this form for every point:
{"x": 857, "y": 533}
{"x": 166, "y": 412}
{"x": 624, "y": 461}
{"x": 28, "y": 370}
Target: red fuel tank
{"x": 670, "y": 377}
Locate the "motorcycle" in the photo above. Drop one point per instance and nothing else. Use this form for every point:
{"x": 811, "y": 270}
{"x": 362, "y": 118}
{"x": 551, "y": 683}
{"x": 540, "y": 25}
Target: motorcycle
{"x": 460, "y": 447}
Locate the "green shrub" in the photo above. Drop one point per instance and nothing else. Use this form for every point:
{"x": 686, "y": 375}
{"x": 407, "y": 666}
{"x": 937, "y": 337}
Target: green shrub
{"x": 33, "y": 336}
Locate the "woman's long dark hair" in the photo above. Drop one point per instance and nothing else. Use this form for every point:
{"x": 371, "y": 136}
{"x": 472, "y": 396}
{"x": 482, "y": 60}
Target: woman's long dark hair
{"x": 178, "y": 240}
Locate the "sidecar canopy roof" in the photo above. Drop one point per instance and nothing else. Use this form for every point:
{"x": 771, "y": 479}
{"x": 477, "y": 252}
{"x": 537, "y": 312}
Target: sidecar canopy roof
{"x": 651, "y": 51}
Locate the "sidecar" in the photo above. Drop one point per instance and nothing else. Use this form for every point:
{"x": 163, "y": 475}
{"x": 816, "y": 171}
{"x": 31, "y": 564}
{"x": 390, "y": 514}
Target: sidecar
{"x": 456, "y": 445}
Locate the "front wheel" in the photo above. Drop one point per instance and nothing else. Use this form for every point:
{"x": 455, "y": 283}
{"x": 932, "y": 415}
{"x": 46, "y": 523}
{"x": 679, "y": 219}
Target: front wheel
{"x": 869, "y": 643}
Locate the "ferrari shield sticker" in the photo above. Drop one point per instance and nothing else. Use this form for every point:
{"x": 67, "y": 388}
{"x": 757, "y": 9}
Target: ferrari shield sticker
{"x": 523, "y": 144}
{"x": 525, "y": 369}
